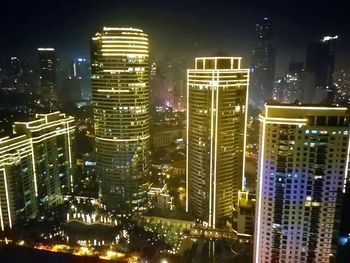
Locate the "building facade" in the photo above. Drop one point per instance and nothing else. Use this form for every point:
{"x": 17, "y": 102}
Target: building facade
{"x": 120, "y": 93}
{"x": 303, "y": 166}
{"x": 217, "y": 94}
{"x": 52, "y": 140}
{"x": 244, "y": 216}
{"x": 17, "y": 195}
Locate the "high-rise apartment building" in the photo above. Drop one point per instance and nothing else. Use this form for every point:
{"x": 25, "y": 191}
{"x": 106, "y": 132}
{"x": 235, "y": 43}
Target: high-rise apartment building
{"x": 47, "y": 68}
{"x": 120, "y": 93}
{"x": 217, "y": 94}
{"x": 17, "y": 195}
{"x": 52, "y": 140}
{"x": 303, "y": 166}
{"x": 263, "y": 65}
{"x": 36, "y": 167}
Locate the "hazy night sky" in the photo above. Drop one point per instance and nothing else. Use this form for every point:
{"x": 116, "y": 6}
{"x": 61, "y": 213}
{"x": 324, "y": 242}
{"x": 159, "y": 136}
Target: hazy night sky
{"x": 174, "y": 26}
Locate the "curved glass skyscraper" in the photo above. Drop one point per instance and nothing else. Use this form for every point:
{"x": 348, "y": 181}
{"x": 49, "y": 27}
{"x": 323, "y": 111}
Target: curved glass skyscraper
{"x": 120, "y": 93}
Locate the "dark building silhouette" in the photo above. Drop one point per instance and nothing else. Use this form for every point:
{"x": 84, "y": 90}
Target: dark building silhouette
{"x": 296, "y": 67}
{"x": 320, "y": 60}
{"x": 263, "y": 65}
{"x": 47, "y": 69}
{"x": 17, "y": 74}
{"x": 81, "y": 71}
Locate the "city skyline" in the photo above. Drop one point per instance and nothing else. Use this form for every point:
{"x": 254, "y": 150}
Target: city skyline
{"x": 184, "y": 131}
{"x": 289, "y": 25}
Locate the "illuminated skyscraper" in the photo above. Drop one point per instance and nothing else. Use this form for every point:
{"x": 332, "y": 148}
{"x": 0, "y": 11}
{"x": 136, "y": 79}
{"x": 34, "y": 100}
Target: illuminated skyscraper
{"x": 17, "y": 195}
{"x": 52, "y": 140}
{"x": 120, "y": 93}
{"x": 263, "y": 65}
{"x": 303, "y": 166}
{"x": 217, "y": 94}
{"x": 48, "y": 78}
{"x": 36, "y": 167}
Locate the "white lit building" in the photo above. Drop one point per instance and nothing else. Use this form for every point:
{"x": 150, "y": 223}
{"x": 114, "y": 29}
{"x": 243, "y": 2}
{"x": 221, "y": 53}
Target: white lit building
{"x": 303, "y": 166}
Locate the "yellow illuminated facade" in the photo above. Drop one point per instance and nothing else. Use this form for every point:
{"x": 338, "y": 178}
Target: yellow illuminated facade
{"x": 217, "y": 93}
{"x": 52, "y": 140}
{"x": 37, "y": 166}
{"x": 302, "y": 171}
{"x": 120, "y": 91}
{"x": 17, "y": 195}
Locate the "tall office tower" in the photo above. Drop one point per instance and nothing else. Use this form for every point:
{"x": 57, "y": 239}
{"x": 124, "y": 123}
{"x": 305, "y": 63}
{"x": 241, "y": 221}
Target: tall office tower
{"x": 120, "y": 94}
{"x": 263, "y": 65}
{"x": 52, "y": 139}
{"x": 17, "y": 196}
{"x": 217, "y": 97}
{"x": 320, "y": 60}
{"x": 303, "y": 166}
{"x": 48, "y": 78}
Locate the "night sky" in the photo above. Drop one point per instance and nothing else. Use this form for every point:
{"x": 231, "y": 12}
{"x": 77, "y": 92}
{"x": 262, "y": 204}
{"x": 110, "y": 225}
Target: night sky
{"x": 177, "y": 28}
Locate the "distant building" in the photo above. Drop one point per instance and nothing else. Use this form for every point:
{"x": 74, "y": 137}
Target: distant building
{"x": 159, "y": 197}
{"x": 245, "y": 213}
{"x": 179, "y": 168}
{"x": 48, "y": 69}
{"x": 288, "y": 89}
{"x": 166, "y": 135}
{"x": 302, "y": 171}
{"x": 342, "y": 86}
{"x": 263, "y": 65}
{"x": 18, "y": 75}
{"x": 121, "y": 109}
{"x": 217, "y": 91}
{"x": 320, "y": 61}
{"x": 162, "y": 83}
{"x": 81, "y": 71}
{"x": 168, "y": 84}
{"x": 52, "y": 140}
